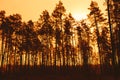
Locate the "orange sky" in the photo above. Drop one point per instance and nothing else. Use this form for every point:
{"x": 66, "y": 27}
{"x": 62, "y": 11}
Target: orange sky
{"x": 31, "y": 9}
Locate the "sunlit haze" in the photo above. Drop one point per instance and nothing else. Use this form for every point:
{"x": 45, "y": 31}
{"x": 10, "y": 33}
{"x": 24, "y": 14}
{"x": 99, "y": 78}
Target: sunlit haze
{"x": 31, "y": 9}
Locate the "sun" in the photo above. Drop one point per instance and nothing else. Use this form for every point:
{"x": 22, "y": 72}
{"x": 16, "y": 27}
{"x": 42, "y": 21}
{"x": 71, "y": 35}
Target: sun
{"x": 79, "y": 17}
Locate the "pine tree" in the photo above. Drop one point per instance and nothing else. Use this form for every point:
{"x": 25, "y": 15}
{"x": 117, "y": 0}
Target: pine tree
{"x": 97, "y": 22}
{"x": 58, "y": 14}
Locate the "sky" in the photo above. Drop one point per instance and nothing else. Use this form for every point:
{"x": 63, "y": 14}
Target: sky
{"x": 31, "y": 9}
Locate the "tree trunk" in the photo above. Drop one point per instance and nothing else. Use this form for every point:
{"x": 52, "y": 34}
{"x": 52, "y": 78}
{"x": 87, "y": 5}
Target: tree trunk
{"x": 98, "y": 42}
{"x": 2, "y": 50}
{"x": 111, "y": 37}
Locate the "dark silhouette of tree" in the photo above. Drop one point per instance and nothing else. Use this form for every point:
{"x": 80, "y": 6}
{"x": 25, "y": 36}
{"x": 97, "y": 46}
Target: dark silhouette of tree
{"x": 111, "y": 35}
{"x": 58, "y": 14}
{"x": 105, "y": 49}
{"x": 27, "y": 44}
{"x": 79, "y": 33}
{"x": 97, "y": 19}
{"x": 2, "y": 23}
{"x": 46, "y": 33}
{"x": 67, "y": 39}
{"x": 113, "y": 21}
{"x": 117, "y": 30}
{"x": 14, "y": 22}
{"x": 85, "y": 50}
{"x": 9, "y": 25}
{"x": 72, "y": 40}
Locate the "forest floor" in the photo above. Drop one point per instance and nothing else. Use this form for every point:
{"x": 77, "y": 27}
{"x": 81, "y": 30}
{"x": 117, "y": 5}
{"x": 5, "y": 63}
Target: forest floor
{"x": 57, "y": 77}
{"x": 58, "y": 74}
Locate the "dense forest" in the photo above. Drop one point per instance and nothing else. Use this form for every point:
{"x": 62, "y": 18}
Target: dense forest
{"x": 59, "y": 42}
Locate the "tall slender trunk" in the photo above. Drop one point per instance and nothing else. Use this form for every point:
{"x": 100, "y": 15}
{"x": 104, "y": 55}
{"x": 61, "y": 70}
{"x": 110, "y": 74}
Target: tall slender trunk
{"x": 50, "y": 49}
{"x": 2, "y": 49}
{"x": 21, "y": 59}
{"x": 28, "y": 54}
{"x": 15, "y": 57}
{"x": 72, "y": 52}
{"x": 25, "y": 59}
{"x": 64, "y": 61}
{"x": 62, "y": 41}
{"x": 119, "y": 46}
{"x": 56, "y": 45}
{"x": 111, "y": 37}
{"x": 43, "y": 62}
{"x": 98, "y": 42}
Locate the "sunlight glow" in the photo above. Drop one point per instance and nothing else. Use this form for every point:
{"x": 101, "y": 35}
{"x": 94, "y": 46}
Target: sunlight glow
{"x": 79, "y": 17}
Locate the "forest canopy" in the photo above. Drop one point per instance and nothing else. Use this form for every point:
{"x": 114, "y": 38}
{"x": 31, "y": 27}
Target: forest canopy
{"x": 57, "y": 39}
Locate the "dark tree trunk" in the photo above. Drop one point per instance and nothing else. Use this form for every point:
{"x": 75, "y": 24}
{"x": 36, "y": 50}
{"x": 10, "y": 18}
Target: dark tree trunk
{"x": 111, "y": 37}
